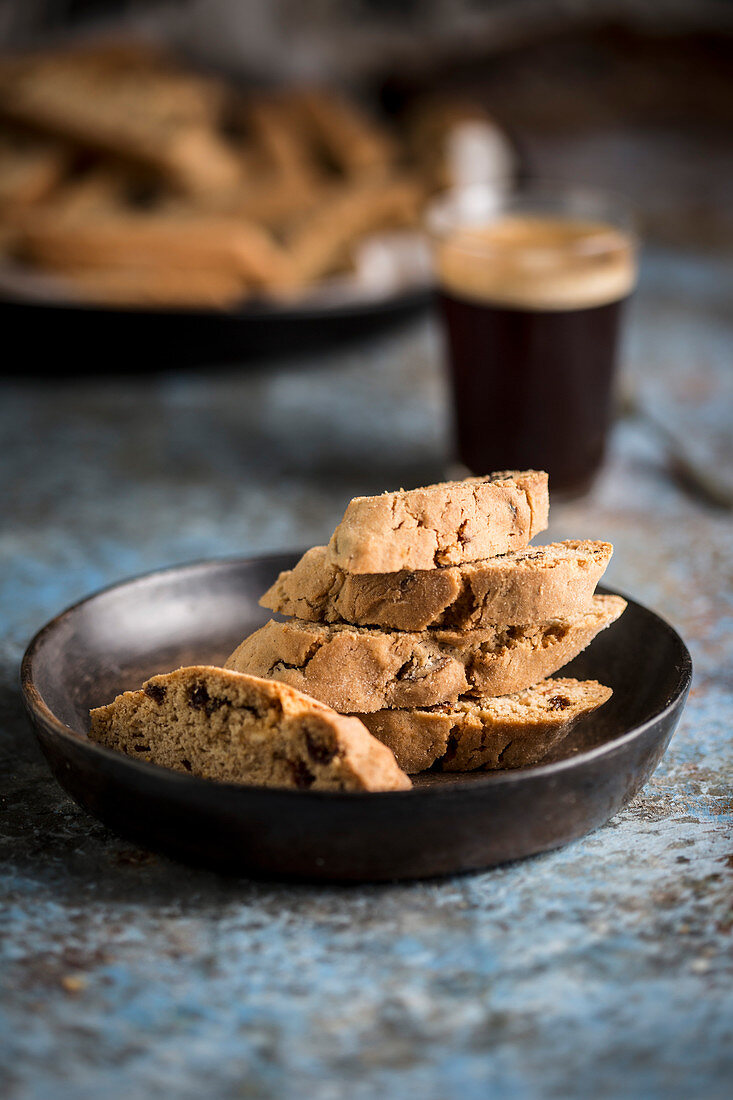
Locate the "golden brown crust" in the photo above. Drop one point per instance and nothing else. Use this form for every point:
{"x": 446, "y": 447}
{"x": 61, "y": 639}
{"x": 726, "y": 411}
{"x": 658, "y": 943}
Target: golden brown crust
{"x": 513, "y": 731}
{"x": 446, "y": 524}
{"x": 29, "y": 170}
{"x": 349, "y": 139}
{"x": 226, "y": 246}
{"x": 318, "y": 243}
{"x": 363, "y": 669}
{"x": 524, "y": 586}
{"x": 225, "y": 725}
{"x": 125, "y": 106}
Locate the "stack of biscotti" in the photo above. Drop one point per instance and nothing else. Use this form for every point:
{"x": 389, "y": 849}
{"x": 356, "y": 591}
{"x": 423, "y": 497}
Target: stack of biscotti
{"x": 428, "y": 616}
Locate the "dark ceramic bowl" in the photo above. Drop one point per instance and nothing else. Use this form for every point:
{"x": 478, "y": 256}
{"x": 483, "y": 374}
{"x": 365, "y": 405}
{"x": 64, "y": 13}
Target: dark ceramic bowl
{"x": 112, "y": 641}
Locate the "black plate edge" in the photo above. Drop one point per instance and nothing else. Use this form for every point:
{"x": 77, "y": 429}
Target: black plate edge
{"x": 255, "y": 313}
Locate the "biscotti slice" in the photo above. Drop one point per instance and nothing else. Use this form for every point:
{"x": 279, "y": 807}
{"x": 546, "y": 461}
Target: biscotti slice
{"x": 224, "y": 725}
{"x": 525, "y": 586}
{"x": 511, "y": 731}
{"x": 319, "y": 242}
{"x": 158, "y": 120}
{"x": 446, "y": 524}
{"x": 356, "y": 144}
{"x": 119, "y": 239}
{"x": 363, "y": 669}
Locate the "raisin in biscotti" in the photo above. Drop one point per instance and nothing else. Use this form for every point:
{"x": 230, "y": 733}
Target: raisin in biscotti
{"x": 363, "y": 669}
{"x": 224, "y": 725}
{"x": 446, "y": 524}
{"x": 525, "y": 586}
{"x": 511, "y": 731}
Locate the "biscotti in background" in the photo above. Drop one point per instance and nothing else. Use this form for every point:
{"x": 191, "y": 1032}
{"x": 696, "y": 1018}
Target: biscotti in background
{"x": 317, "y": 180}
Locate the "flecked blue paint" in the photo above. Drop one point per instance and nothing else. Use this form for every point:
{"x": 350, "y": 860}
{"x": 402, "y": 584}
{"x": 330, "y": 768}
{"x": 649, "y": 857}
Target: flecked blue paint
{"x": 600, "y": 970}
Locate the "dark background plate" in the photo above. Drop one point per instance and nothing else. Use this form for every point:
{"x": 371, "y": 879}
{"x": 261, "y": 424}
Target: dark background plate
{"x": 191, "y": 614}
{"x": 53, "y": 338}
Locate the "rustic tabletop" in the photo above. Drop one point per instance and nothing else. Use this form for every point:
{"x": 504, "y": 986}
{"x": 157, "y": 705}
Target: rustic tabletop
{"x": 602, "y": 969}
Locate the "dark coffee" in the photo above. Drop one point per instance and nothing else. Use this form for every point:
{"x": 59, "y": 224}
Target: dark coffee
{"x": 532, "y": 308}
{"x": 532, "y": 388}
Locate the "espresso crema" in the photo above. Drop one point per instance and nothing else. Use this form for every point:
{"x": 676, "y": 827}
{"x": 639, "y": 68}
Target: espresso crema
{"x": 538, "y": 262}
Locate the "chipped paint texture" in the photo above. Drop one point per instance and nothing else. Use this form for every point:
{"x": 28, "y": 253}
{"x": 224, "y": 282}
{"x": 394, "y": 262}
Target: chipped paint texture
{"x": 600, "y": 970}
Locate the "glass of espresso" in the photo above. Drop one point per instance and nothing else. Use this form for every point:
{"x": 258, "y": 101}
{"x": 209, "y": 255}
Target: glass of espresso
{"x": 532, "y": 285}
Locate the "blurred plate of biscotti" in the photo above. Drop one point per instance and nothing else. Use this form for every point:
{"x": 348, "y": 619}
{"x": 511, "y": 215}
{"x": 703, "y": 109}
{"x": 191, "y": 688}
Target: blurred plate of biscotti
{"x": 130, "y": 180}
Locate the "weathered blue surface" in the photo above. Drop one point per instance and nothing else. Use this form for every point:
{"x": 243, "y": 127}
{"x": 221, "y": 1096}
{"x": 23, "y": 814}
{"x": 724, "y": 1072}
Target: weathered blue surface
{"x": 600, "y": 970}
